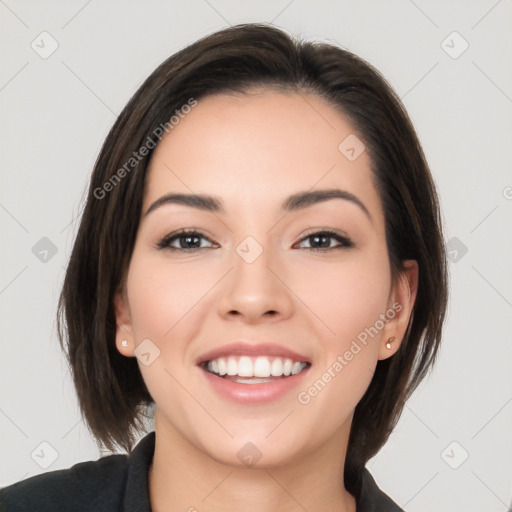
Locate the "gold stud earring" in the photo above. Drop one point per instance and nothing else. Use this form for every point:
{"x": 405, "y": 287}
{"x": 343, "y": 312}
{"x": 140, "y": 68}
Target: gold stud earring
{"x": 388, "y": 344}
{"x": 124, "y": 343}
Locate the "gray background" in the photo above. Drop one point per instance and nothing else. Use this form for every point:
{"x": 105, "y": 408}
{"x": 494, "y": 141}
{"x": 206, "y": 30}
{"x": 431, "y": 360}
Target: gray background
{"x": 57, "y": 110}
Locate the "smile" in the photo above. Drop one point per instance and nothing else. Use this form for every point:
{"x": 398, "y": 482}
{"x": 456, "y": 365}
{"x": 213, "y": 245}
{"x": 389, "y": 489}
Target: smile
{"x": 252, "y": 380}
{"x": 254, "y": 369}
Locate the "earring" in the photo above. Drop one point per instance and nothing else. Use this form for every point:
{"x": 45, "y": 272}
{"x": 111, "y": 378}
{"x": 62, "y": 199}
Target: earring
{"x": 124, "y": 343}
{"x": 388, "y": 344}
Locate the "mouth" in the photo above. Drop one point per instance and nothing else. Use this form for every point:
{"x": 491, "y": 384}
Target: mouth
{"x": 249, "y": 374}
{"x": 254, "y": 370}
{"x": 253, "y": 380}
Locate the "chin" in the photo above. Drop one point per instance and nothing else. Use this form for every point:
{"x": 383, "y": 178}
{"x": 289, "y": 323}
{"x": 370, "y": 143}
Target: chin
{"x": 253, "y": 452}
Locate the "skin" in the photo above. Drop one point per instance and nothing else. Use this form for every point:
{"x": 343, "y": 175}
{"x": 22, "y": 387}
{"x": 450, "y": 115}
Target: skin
{"x": 253, "y": 151}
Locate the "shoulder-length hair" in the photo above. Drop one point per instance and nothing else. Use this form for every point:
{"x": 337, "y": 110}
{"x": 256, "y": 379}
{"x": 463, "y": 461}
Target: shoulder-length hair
{"x": 111, "y": 392}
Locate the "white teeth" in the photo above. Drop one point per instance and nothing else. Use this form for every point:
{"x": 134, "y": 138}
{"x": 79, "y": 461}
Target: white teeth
{"x": 232, "y": 366}
{"x": 296, "y": 368}
{"x": 245, "y": 367}
{"x": 222, "y": 366}
{"x": 260, "y": 366}
{"x": 276, "y": 369}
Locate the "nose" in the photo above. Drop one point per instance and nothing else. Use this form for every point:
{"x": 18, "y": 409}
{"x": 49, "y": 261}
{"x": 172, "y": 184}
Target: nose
{"x": 256, "y": 291}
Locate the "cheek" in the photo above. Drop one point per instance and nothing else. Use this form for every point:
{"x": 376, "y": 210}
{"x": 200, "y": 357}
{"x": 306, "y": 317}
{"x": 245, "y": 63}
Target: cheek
{"x": 165, "y": 301}
{"x": 347, "y": 296}
{"x": 350, "y": 300}
{"x": 163, "y": 294}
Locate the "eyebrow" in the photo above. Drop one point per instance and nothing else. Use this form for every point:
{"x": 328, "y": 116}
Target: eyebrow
{"x": 295, "y": 202}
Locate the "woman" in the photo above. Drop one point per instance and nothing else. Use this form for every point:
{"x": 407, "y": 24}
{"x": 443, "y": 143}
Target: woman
{"x": 261, "y": 260}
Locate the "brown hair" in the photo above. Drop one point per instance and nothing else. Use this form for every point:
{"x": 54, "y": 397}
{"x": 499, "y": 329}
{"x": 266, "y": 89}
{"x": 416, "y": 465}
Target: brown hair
{"x": 110, "y": 388}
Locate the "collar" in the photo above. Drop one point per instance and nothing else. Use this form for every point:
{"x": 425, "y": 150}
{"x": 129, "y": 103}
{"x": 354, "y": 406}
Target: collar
{"x": 136, "y": 493}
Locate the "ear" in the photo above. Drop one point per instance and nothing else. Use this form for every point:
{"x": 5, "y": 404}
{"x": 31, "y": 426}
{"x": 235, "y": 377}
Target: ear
{"x": 401, "y": 301}
{"x": 124, "y": 330}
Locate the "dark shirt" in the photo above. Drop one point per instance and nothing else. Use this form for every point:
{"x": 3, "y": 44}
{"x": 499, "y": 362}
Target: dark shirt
{"x": 120, "y": 483}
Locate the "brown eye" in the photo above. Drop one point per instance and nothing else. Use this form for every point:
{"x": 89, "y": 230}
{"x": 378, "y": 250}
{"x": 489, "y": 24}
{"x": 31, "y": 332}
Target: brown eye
{"x": 187, "y": 240}
{"x": 322, "y": 240}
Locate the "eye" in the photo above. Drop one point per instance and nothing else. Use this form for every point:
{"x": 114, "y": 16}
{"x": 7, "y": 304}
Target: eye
{"x": 189, "y": 240}
{"x": 321, "y": 240}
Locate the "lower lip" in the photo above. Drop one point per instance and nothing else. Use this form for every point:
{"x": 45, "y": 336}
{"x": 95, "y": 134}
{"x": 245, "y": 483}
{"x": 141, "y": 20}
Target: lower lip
{"x": 254, "y": 393}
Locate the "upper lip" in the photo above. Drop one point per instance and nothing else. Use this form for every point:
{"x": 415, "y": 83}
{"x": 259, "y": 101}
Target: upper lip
{"x": 249, "y": 349}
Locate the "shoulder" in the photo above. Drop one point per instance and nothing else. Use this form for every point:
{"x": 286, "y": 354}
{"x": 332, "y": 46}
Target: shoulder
{"x": 93, "y": 485}
{"x": 114, "y": 482}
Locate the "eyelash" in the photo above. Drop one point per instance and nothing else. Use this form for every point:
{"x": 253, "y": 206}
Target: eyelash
{"x": 345, "y": 241}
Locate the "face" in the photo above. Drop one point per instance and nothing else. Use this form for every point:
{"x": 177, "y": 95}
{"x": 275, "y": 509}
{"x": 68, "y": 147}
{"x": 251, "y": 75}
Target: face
{"x": 261, "y": 281}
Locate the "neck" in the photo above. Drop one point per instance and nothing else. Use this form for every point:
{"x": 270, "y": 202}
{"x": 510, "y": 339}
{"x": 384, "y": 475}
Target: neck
{"x": 184, "y": 478}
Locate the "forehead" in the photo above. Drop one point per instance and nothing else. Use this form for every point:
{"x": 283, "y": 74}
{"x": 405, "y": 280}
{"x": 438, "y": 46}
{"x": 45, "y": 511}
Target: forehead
{"x": 255, "y": 149}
